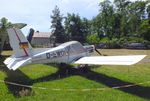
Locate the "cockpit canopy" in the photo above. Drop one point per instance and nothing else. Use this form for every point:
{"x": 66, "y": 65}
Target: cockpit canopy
{"x": 74, "y": 47}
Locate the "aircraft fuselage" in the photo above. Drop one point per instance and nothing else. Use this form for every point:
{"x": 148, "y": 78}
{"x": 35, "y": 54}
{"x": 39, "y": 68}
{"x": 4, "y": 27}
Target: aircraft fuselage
{"x": 65, "y": 53}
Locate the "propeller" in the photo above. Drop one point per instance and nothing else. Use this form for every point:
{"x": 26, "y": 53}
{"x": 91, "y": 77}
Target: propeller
{"x": 98, "y": 52}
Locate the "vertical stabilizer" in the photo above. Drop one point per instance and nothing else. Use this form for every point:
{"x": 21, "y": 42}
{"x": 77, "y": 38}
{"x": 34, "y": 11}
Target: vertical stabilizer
{"x": 19, "y": 43}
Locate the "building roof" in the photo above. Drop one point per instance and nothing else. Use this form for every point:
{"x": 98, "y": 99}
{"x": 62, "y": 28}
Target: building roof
{"x": 42, "y": 35}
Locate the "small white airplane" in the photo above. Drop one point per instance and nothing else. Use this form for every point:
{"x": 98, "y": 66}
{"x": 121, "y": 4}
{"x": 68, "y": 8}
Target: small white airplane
{"x": 69, "y": 52}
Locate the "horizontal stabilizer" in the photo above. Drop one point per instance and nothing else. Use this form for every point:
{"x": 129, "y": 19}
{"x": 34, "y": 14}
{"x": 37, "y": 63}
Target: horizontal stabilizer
{"x": 111, "y": 60}
{"x": 14, "y": 63}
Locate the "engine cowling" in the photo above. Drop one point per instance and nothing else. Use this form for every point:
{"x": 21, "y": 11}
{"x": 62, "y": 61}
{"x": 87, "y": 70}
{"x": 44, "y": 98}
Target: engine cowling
{"x": 89, "y": 49}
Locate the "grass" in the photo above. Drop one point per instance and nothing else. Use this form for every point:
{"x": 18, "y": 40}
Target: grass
{"x": 54, "y": 77}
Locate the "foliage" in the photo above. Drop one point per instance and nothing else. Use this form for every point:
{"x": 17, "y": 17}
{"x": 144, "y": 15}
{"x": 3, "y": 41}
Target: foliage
{"x": 93, "y": 38}
{"x": 76, "y": 28}
{"x": 145, "y": 30}
{"x": 114, "y": 43}
{"x": 5, "y": 23}
{"x": 104, "y": 40}
{"x": 122, "y": 22}
{"x": 117, "y": 23}
{"x": 57, "y": 27}
{"x": 106, "y": 12}
{"x": 3, "y": 34}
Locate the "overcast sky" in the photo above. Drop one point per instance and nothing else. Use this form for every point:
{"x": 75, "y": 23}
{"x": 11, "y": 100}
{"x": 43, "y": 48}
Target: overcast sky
{"x": 36, "y": 13}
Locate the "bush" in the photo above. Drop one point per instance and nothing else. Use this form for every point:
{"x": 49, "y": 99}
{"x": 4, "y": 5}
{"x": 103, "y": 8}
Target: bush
{"x": 93, "y": 39}
{"x": 135, "y": 40}
{"x": 104, "y": 40}
{"x": 114, "y": 43}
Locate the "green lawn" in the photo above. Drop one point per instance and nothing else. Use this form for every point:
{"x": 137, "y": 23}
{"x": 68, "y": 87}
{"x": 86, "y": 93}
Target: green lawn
{"x": 69, "y": 84}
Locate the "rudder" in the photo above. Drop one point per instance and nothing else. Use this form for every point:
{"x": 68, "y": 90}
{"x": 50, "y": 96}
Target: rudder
{"x": 19, "y": 43}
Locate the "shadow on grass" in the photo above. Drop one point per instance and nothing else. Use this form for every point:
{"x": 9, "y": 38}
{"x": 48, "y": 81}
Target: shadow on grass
{"x": 19, "y": 77}
{"x": 140, "y": 91}
{"x": 16, "y": 77}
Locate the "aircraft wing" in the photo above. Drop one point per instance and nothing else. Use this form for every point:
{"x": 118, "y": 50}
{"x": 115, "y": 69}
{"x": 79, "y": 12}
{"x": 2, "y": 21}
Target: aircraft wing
{"x": 110, "y": 60}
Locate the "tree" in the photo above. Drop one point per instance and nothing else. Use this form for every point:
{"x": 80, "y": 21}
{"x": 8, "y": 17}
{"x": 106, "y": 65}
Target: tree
{"x": 148, "y": 10}
{"x": 107, "y": 20}
{"x": 3, "y": 34}
{"x": 96, "y": 26}
{"x": 57, "y": 27}
{"x": 121, "y": 21}
{"x": 136, "y": 13}
{"x": 145, "y": 30}
{"x": 122, "y": 10}
{"x": 76, "y": 28}
{"x": 85, "y": 28}
{"x": 121, "y": 5}
{"x": 5, "y": 24}
{"x": 117, "y": 25}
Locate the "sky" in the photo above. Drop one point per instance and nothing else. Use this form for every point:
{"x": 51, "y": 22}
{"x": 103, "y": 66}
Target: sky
{"x": 36, "y": 13}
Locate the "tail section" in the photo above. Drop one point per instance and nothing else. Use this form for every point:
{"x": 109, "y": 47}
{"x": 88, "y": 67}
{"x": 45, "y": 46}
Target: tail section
{"x": 14, "y": 63}
{"x": 21, "y": 47}
{"x": 19, "y": 43}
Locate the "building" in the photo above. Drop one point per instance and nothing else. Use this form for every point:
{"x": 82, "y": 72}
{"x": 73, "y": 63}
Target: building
{"x": 41, "y": 39}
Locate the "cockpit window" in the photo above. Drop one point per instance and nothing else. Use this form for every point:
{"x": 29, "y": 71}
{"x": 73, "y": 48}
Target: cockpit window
{"x": 78, "y": 48}
{"x": 74, "y": 48}
{"x": 69, "y": 50}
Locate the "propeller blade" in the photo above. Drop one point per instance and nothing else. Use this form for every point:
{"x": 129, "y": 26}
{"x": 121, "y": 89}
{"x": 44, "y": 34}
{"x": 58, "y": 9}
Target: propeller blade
{"x": 98, "y": 51}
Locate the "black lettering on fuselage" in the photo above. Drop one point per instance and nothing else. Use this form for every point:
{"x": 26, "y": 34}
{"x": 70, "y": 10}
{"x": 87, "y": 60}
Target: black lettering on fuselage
{"x": 56, "y": 54}
{"x": 48, "y": 55}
